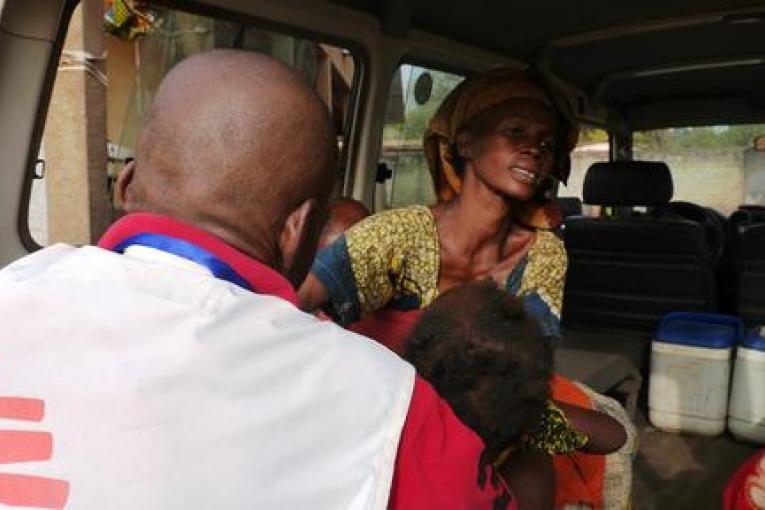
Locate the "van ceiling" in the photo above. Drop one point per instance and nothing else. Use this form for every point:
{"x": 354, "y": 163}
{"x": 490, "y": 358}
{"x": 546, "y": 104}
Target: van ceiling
{"x": 654, "y": 63}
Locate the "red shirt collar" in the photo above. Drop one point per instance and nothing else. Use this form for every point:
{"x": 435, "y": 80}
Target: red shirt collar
{"x": 262, "y": 279}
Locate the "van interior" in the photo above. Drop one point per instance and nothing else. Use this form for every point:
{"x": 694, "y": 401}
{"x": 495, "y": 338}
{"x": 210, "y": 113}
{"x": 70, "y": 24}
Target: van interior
{"x": 665, "y": 206}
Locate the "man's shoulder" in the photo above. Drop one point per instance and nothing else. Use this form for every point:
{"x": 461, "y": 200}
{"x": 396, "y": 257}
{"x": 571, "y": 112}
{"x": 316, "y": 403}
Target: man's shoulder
{"x": 213, "y": 311}
{"x": 42, "y": 257}
{"x": 191, "y": 365}
{"x": 344, "y": 342}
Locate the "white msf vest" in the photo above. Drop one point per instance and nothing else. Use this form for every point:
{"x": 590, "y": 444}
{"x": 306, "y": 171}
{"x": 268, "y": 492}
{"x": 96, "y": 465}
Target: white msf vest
{"x": 139, "y": 381}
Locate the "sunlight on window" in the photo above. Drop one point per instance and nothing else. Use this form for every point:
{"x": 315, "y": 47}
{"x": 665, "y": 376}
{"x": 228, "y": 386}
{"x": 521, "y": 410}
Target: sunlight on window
{"x": 716, "y": 166}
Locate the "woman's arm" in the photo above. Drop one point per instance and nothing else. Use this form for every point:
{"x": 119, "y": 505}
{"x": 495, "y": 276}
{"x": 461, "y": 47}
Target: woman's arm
{"x": 359, "y": 272}
{"x": 364, "y": 269}
{"x": 331, "y": 285}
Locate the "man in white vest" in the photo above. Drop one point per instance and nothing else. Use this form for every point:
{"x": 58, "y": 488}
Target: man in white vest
{"x": 169, "y": 368}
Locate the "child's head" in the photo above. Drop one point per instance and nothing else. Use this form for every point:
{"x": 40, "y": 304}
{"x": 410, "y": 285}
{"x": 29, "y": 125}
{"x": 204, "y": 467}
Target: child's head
{"x": 486, "y": 357}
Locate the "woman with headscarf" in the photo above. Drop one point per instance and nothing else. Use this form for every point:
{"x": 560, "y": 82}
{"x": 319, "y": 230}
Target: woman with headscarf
{"x": 494, "y": 147}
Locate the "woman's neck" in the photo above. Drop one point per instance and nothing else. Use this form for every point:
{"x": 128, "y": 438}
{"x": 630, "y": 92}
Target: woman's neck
{"x": 476, "y": 236}
{"x": 478, "y": 217}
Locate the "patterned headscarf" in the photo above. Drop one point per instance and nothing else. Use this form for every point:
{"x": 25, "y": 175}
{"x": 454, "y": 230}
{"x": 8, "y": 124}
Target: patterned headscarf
{"x": 475, "y": 96}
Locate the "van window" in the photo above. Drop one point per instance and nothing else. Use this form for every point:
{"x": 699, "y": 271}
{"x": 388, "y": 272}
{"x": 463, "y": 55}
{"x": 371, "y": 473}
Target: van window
{"x": 111, "y": 65}
{"x": 714, "y": 166}
{"x": 592, "y": 147}
{"x": 415, "y": 95}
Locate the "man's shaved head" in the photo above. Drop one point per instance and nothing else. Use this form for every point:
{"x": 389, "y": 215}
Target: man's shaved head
{"x": 235, "y": 143}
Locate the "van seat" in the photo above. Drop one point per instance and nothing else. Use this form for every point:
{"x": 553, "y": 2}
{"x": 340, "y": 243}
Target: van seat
{"x": 714, "y": 224}
{"x": 627, "y": 271}
{"x": 746, "y": 264}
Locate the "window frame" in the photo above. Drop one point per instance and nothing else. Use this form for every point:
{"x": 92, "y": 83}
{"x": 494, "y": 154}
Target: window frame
{"x": 41, "y": 117}
{"x": 358, "y": 87}
{"x": 431, "y": 65}
{"x": 680, "y": 191}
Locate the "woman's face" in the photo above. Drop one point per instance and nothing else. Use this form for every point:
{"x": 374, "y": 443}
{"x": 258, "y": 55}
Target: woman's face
{"x": 512, "y": 147}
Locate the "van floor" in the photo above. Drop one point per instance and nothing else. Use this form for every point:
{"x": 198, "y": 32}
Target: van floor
{"x": 680, "y": 471}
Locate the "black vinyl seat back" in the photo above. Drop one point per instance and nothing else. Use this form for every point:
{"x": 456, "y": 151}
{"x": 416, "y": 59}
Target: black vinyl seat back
{"x": 714, "y": 223}
{"x": 626, "y": 272}
{"x": 747, "y": 215}
{"x": 746, "y": 263}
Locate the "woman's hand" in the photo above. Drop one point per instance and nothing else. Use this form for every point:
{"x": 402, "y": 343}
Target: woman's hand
{"x": 518, "y": 244}
{"x": 312, "y": 294}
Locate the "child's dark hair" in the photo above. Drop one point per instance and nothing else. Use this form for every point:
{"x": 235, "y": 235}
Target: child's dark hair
{"x": 486, "y": 357}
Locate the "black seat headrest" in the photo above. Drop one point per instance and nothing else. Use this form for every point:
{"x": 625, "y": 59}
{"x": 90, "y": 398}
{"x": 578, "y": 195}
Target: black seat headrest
{"x": 628, "y": 183}
{"x": 748, "y": 214}
{"x": 752, "y": 207}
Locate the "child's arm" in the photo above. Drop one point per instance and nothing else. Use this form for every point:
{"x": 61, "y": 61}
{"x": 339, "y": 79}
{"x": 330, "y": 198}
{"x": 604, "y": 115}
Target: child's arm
{"x": 531, "y": 478}
{"x": 606, "y": 435}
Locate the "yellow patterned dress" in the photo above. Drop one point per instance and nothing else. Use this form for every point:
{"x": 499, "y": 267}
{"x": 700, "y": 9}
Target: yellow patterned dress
{"x": 392, "y": 259}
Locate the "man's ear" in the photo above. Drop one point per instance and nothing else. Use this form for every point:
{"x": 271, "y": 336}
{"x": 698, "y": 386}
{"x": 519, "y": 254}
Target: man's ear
{"x": 298, "y": 240}
{"x": 124, "y": 178}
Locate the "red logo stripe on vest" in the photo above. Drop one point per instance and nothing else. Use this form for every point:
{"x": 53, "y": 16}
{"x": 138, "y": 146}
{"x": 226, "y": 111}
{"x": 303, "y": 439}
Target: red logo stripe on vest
{"x": 16, "y": 408}
{"x": 34, "y": 491}
{"x": 27, "y": 446}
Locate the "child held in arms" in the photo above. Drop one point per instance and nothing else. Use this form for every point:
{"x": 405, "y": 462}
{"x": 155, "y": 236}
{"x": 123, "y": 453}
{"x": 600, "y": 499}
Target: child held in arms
{"x": 485, "y": 356}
